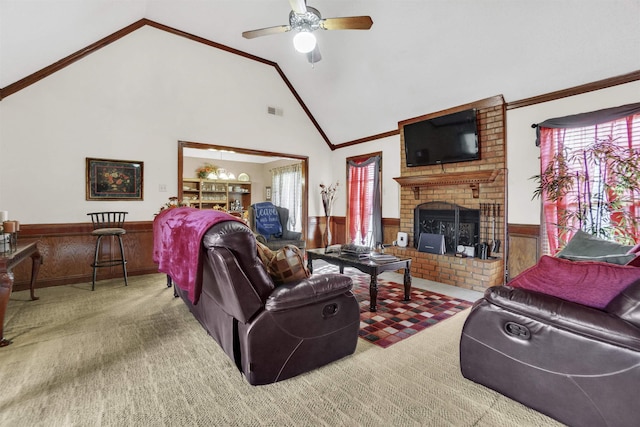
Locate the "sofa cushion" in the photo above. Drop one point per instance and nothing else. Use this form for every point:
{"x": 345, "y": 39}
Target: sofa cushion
{"x": 589, "y": 283}
{"x": 284, "y": 265}
{"x": 627, "y": 304}
{"x": 587, "y": 247}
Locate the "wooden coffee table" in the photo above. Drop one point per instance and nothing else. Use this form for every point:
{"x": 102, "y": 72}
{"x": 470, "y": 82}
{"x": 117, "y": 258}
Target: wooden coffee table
{"x": 367, "y": 266}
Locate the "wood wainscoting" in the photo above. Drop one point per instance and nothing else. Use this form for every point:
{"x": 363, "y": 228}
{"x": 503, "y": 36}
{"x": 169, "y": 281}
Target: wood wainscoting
{"x": 67, "y": 249}
{"x": 390, "y": 228}
{"x": 524, "y": 248}
{"x": 67, "y": 252}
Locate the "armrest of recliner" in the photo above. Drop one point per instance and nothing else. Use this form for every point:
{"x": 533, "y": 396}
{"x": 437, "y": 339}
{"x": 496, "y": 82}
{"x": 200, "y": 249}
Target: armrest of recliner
{"x": 308, "y": 291}
{"x": 627, "y": 304}
{"x": 586, "y": 321}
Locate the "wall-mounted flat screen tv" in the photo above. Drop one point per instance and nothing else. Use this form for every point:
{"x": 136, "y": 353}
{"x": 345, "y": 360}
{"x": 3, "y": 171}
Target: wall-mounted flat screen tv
{"x": 445, "y": 139}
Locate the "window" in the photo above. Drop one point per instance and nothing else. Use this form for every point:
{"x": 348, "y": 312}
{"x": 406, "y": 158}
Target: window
{"x": 364, "y": 208}
{"x": 286, "y": 191}
{"x": 589, "y": 165}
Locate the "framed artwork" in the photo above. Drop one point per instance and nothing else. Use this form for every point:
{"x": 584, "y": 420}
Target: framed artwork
{"x": 267, "y": 193}
{"x": 114, "y": 179}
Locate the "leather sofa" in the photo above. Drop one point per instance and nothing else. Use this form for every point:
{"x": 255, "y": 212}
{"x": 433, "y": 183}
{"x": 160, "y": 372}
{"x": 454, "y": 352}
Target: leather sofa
{"x": 270, "y": 333}
{"x": 575, "y": 363}
{"x": 288, "y": 237}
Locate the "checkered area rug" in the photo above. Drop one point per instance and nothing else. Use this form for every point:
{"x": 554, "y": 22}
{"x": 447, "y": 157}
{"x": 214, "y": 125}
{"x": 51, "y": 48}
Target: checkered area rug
{"x": 396, "y": 319}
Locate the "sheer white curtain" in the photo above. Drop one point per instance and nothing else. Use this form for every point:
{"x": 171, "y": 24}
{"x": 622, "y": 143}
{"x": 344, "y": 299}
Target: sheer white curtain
{"x": 286, "y": 191}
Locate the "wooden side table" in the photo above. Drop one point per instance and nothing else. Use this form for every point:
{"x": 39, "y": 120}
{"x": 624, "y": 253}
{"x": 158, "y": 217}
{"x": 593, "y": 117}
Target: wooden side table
{"x": 7, "y": 262}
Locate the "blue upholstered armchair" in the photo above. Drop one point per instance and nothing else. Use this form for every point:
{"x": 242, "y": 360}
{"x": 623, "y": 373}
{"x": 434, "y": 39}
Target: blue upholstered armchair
{"x": 274, "y": 239}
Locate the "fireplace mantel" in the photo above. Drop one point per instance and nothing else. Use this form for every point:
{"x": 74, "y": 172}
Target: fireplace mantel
{"x": 472, "y": 178}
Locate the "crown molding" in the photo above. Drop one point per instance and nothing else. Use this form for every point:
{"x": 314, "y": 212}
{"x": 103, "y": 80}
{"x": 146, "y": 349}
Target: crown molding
{"x": 576, "y": 90}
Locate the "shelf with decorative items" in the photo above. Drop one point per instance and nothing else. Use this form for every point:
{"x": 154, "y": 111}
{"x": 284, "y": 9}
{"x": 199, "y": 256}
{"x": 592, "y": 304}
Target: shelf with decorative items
{"x": 231, "y": 196}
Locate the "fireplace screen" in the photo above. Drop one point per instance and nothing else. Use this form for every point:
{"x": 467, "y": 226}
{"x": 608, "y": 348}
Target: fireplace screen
{"x": 459, "y": 225}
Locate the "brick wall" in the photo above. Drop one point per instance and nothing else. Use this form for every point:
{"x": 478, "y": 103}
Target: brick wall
{"x": 470, "y": 273}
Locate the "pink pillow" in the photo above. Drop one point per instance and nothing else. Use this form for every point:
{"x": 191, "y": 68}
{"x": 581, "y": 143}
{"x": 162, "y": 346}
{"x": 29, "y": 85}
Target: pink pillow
{"x": 588, "y": 283}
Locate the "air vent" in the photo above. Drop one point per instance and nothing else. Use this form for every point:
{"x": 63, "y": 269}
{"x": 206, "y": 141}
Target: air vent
{"x": 275, "y": 111}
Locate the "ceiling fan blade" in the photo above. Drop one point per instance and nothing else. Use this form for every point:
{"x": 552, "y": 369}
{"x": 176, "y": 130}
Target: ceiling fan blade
{"x": 266, "y": 31}
{"x": 314, "y": 56}
{"x": 298, "y": 6}
{"x": 347, "y": 23}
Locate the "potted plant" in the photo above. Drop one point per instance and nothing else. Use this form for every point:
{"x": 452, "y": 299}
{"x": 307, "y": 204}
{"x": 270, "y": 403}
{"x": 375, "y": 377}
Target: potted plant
{"x": 598, "y": 182}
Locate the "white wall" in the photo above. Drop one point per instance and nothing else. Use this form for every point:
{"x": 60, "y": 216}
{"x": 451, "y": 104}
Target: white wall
{"x": 523, "y": 157}
{"x": 133, "y": 100}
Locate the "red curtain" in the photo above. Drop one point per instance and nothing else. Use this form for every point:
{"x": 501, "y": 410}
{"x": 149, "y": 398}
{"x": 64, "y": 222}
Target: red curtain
{"x": 551, "y": 142}
{"x": 625, "y": 132}
{"x": 633, "y": 139}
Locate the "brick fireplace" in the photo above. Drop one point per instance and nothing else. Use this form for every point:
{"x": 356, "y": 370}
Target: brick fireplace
{"x": 468, "y": 186}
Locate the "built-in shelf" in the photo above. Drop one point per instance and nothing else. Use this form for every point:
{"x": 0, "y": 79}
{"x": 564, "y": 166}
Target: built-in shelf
{"x": 472, "y": 178}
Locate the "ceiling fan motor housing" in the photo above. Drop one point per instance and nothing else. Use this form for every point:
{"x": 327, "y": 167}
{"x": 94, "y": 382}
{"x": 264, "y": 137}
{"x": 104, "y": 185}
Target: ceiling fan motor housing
{"x": 309, "y": 21}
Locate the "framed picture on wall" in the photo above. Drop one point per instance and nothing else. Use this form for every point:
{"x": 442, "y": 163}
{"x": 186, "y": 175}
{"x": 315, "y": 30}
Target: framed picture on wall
{"x": 267, "y": 193}
{"x": 114, "y": 179}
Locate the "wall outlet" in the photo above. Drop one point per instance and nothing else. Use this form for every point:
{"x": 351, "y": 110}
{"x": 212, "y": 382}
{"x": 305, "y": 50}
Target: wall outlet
{"x": 162, "y": 188}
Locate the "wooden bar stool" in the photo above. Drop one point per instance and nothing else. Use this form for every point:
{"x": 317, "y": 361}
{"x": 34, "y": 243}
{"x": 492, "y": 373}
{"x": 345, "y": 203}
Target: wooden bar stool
{"x": 108, "y": 224}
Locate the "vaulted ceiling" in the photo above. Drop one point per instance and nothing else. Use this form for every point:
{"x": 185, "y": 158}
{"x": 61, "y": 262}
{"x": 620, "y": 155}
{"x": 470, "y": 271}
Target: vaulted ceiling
{"x": 419, "y": 57}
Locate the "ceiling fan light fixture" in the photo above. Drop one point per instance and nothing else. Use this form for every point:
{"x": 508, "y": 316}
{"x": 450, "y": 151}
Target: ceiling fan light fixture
{"x": 304, "y": 41}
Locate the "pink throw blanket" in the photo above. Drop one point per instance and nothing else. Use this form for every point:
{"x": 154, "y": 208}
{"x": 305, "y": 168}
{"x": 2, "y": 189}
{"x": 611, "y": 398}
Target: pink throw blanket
{"x": 177, "y": 244}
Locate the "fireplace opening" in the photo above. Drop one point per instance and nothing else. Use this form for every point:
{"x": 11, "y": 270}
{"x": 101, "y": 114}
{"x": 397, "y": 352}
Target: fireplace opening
{"x": 459, "y": 225}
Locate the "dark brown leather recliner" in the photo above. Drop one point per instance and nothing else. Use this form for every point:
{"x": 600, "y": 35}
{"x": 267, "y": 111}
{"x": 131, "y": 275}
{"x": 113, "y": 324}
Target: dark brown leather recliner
{"x": 271, "y": 333}
{"x": 577, "y": 364}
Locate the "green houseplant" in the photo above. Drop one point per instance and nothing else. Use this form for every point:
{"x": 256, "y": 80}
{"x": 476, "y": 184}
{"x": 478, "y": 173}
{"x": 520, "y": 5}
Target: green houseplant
{"x": 597, "y": 183}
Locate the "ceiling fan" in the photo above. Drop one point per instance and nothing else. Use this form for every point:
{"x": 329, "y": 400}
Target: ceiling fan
{"x": 305, "y": 20}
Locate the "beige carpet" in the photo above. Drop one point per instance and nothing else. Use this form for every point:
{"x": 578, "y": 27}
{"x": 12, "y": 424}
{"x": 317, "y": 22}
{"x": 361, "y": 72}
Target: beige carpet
{"x": 134, "y": 356}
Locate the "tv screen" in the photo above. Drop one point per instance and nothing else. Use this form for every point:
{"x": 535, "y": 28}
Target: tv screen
{"x": 446, "y": 139}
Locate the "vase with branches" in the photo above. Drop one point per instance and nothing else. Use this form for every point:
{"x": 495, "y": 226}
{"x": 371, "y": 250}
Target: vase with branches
{"x": 596, "y": 186}
{"x": 328, "y": 194}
